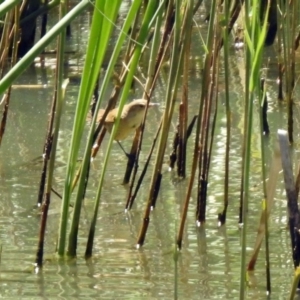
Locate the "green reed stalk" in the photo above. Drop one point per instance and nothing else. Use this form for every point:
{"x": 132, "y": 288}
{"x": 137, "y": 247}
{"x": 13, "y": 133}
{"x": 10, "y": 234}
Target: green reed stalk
{"x": 87, "y": 154}
{"x": 7, "y": 5}
{"x": 262, "y": 97}
{"x": 295, "y": 284}
{"x": 94, "y": 57}
{"x": 254, "y": 37}
{"x": 149, "y": 18}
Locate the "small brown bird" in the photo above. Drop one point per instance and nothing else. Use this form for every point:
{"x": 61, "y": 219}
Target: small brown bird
{"x": 130, "y": 119}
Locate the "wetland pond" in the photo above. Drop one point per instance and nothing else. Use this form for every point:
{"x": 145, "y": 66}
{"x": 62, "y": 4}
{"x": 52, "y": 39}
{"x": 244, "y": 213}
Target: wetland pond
{"x": 208, "y": 266}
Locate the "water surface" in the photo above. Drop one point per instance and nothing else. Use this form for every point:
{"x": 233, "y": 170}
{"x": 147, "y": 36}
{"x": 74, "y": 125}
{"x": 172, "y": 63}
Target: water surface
{"x": 208, "y": 266}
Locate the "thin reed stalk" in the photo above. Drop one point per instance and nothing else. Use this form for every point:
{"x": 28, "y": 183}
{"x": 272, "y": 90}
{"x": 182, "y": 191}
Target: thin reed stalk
{"x": 51, "y": 143}
{"x": 222, "y": 216}
{"x": 183, "y": 107}
{"x": 210, "y": 100}
{"x": 263, "y": 105}
{"x": 288, "y": 49}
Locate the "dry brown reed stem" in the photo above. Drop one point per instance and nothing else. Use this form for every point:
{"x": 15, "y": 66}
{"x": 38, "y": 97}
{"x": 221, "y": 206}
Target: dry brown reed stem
{"x": 4, "y": 47}
{"x": 205, "y": 142}
{"x": 222, "y": 216}
{"x": 281, "y": 66}
{"x": 197, "y": 145}
{"x": 173, "y": 156}
{"x": 183, "y": 110}
{"x": 131, "y": 196}
{"x": 182, "y": 138}
{"x": 50, "y": 145}
{"x": 47, "y": 148}
{"x": 149, "y": 89}
{"x": 14, "y": 33}
{"x": 5, "y": 41}
{"x": 170, "y": 102}
{"x": 157, "y": 175}
{"x": 297, "y": 41}
{"x": 296, "y": 46}
{"x": 166, "y": 38}
{"x": 235, "y": 12}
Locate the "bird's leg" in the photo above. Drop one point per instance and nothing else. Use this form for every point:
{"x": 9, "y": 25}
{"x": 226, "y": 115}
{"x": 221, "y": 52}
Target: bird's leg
{"x": 127, "y": 154}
